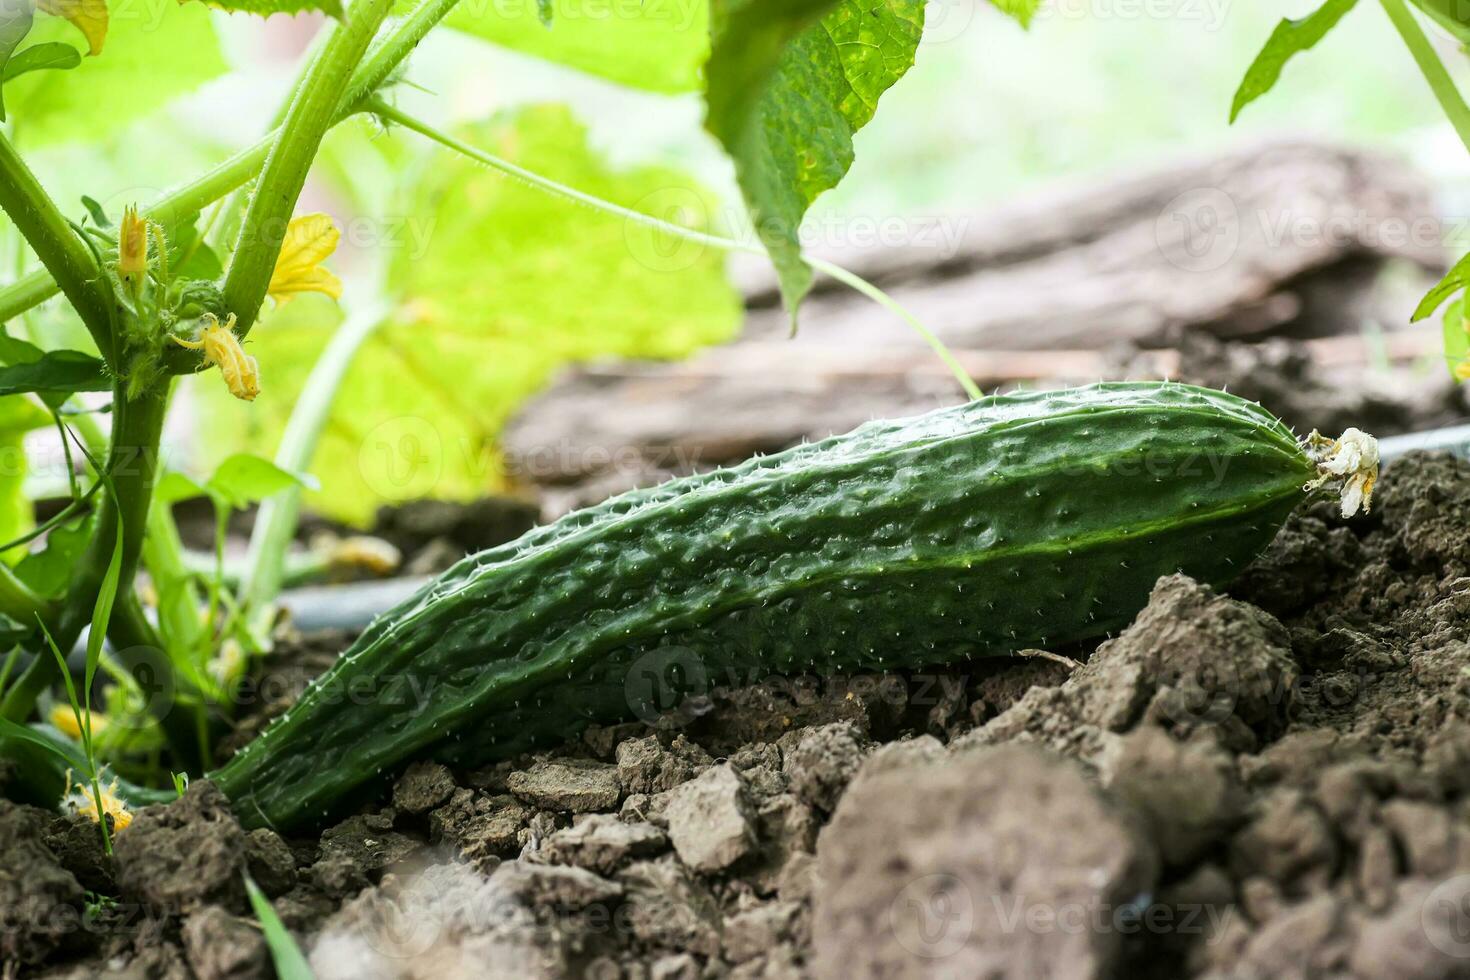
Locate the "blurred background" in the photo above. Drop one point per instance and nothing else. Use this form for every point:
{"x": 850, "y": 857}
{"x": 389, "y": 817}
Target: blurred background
{"x": 1060, "y": 204}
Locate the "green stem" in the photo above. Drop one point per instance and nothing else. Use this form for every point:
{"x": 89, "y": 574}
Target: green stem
{"x": 878, "y": 296}
{"x": 132, "y": 465}
{"x": 275, "y": 525}
{"x": 1432, "y": 67}
{"x": 314, "y": 110}
{"x": 66, "y": 258}
{"x": 39, "y": 286}
{"x": 845, "y": 276}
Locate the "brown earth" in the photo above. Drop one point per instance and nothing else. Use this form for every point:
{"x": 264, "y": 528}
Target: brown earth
{"x": 1273, "y": 782}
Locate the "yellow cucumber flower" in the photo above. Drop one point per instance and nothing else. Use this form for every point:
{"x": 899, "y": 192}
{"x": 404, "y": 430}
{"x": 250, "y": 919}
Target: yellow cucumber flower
{"x": 132, "y": 246}
{"x": 87, "y": 16}
{"x": 221, "y": 347}
{"x": 64, "y": 720}
{"x": 309, "y": 240}
{"x": 1462, "y": 370}
{"x": 80, "y": 799}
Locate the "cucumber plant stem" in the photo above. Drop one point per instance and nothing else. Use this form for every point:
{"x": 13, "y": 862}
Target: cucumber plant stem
{"x": 66, "y": 258}
{"x": 314, "y": 108}
{"x": 1430, "y": 65}
{"x": 380, "y": 108}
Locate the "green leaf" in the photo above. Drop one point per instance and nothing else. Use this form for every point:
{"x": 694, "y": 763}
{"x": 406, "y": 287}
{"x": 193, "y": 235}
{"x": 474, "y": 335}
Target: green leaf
{"x": 1456, "y": 336}
{"x": 786, "y": 92}
{"x": 16, "y": 17}
{"x": 243, "y": 479}
{"x": 101, "y": 618}
{"x": 18, "y": 415}
{"x": 50, "y": 570}
{"x": 10, "y": 729}
{"x": 98, "y": 213}
{"x": 1454, "y": 281}
{"x": 1021, "y": 10}
{"x": 655, "y": 45}
{"x": 60, "y": 371}
{"x": 174, "y": 486}
{"x": 162, "y": 52}
{"x": 265, "y": 8}
{"x": 482, "y": 320}
{"x": 289, "y": 961}
{"x": 51, "y": 56}
{"x": 1288, "y": 39}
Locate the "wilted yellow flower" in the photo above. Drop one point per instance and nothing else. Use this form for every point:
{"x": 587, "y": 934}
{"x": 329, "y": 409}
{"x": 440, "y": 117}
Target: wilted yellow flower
{"x": 309, "y": 240}
{"x": 65, "y": 721}
{"x": 132, "y": 246}
{"x": 81, "y": 800}
{"x": 1462, "y": 370}
{"x": 88, "y": 16}
{"x": 222, "y": 347}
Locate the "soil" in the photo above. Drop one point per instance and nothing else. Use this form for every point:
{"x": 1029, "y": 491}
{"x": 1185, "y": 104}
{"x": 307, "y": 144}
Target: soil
{"x": 1272, "y": 781}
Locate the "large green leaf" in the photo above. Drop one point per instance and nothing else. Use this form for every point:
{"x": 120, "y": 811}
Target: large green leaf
{"x": 161, "y": 51}
{"x": 789, "y": 83}
{"x": 1290, "y": 38}
{"x": 657, "y": 45}
{"x": 508, "y": 285}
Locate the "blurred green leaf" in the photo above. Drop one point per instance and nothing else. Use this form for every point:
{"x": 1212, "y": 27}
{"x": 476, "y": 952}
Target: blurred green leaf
{"x": 16, "y": 17}
{"x": 498, "y": 286}
{"x": 1455, "y": 280}
{"x": 1021, "y": 10}
{"x": 51, "y": 56}
{"x": 787, "y": 91}
{"x": 50, "y": 570}
{"x": 240, "y": 480}
{"x": 1456, "y": 336}
{"x": 154, "y": 53}
{"x": 1291, "y": 37}
{"x": 56, "y": 372}
{"x": 657, "y": 45}
{"x": 18, "y": 415}
{"x": 244, "y": 479}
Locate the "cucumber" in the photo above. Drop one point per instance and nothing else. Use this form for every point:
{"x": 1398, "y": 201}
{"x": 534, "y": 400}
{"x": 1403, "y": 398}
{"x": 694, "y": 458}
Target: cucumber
{"x": 1027, "y": 520}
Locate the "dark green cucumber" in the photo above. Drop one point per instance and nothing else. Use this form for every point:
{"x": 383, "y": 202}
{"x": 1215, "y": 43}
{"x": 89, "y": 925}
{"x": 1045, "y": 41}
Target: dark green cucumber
{"x": 1015, "y": 521}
